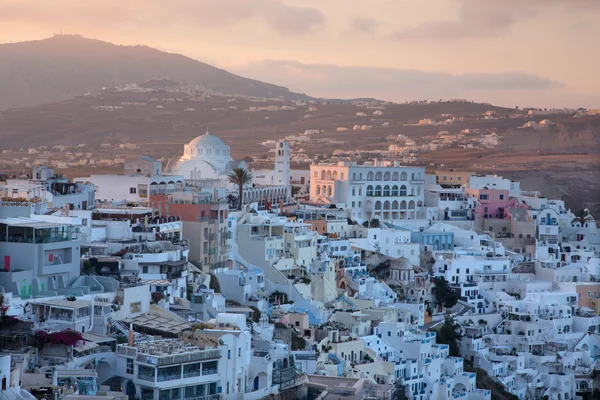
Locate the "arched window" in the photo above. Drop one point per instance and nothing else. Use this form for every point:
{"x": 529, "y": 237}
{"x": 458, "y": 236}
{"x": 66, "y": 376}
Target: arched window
{"x": 378, "y": 190}
{"x": 395, "y": 190}
{"x": 394, "y": 205}
{"x": 378, "y": 176}
{"x": 403, "y": 190}
{"x": 369, "y": 190}
{"x": 323, "y": 175}
{"x": 412, "y": 190}
{"x": 334, "y": 175}
{"x": 329, "y": 190}
{"x": 386, "y": 190}
{"x": 387, "y": 176}
{"x": 418, "y": 190}
{"x": 386, "y": 205}
{"x": 318, "y": 190}
{"x": 316, "y": 174}
{"x": 328, "y": 175}
{"x": 403, "y": 205}
{"x": 403, "y": 176}
{"x": 370, "y": 176}
{"x": 353, "y": 191}
{"x": 377, "y": 206}
{"x": 395, "y": 176}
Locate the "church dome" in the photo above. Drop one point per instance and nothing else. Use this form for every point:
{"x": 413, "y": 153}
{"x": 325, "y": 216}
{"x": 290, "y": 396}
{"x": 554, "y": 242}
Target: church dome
{"x": 207, "y": 147}
{"x": 207, "y": 141}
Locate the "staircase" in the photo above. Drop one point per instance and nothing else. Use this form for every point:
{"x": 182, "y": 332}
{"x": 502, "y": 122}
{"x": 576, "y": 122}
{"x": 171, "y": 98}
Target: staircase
{"x": 275, "y": 278}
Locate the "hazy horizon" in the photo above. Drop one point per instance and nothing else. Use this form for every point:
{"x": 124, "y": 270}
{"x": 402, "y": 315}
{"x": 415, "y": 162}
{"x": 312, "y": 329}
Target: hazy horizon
{"x": 537, "y": 53}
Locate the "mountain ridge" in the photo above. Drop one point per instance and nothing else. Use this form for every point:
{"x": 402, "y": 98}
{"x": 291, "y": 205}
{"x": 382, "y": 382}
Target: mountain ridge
{"x": 64, "y": 66}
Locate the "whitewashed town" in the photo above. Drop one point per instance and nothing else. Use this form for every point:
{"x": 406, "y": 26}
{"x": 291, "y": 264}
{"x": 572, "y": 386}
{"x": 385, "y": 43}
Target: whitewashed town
{"x": 205, "y": 279}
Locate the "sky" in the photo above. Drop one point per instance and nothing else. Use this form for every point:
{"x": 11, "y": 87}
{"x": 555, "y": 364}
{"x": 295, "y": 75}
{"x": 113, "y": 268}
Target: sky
{"x": 541, "y": 53}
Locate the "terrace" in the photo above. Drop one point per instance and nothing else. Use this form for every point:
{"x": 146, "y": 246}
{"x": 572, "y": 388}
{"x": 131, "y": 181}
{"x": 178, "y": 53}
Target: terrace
{"x": 26, "y": 230}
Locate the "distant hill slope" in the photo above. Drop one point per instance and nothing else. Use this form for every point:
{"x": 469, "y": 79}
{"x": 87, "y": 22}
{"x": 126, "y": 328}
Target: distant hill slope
{"x": 58, "y": 68}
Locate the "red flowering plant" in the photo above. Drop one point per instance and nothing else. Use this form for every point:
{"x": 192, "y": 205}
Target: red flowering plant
{"x": 67, "y": 337}
{"x": 5, "y": 319}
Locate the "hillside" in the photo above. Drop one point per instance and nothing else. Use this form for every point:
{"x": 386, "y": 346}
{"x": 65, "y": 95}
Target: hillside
{"x": 64, "y": 66}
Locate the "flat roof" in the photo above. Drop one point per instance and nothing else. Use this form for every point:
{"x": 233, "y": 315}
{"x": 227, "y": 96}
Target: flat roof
{"x": 159, "y": 323}
{"x": 66, "y": 303}
{"x": 76, "y": 372}
{"x": 86, "y": 346}
{"x": 24, "y": 222}
{"x": 97, "y": 338}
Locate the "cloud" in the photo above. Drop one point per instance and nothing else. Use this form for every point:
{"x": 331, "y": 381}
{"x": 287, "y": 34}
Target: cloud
{"x": 388, "y": 83}
{"x": 490, "y": 18}
{"x": 291, "y": 20}
{"x": 365, "y": 25}
{"x": 156, "y": 14}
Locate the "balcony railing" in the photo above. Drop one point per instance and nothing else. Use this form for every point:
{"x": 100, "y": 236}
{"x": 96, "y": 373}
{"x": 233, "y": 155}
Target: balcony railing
{"x": 146, "y": 377}
{"x": 192, "y": 374}
{"x": 209, "y": 372}
{"x": 180, "y": 358}
{"x": 169, "y": 377}
{"x": 207, "y": 397}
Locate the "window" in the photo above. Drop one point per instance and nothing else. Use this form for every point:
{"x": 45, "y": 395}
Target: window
{"x": 130, "y": 366}
{"x": 589, "y": 295}
{"x": 229, "y": 354}
{"x": 501, "y": 197}
{"x": 483, "y": 197}
{"x": 132, "y": 190}
{"x": 84, "y": 222}
{"x": 353, "y": 204}
{"x": 145, "y": 269}
{"x": 239, "y": 351}
{"x": 520, "y": 236}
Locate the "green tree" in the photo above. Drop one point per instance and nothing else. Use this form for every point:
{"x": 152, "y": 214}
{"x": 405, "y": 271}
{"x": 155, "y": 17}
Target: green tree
{"x": 444, "y": 295}
{"x": 240, "y": 177}
{"x": 256, "y": 314}
{"x": 298, "y": 342}
{"x": 582, "y": 217}
{"x": 87, "y": 267}
{"x": 214, "y": 283}
{"x": 374, "y": 223}
{"x": 450, "y": 333}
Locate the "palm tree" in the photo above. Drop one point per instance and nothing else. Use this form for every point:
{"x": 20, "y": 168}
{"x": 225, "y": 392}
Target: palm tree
{"x": 582, "y": 216}
{"x": 240, "y": 177}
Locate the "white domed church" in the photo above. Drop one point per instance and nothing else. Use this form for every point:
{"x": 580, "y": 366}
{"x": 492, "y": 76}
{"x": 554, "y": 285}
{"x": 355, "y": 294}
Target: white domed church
{"x": 206, "y": 163}
{"x": 206, "y": 157}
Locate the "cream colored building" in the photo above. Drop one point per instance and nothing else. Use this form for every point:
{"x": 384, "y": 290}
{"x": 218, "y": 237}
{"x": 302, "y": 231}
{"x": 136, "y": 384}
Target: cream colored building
{"x": 382, "y": 190}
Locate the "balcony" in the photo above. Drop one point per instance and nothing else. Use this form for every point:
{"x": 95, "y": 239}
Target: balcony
{"x": 207, "y": 397}
{"x": 180, "y": 358}
{"x": 146, "y": 377}
{"x": 212, "y": 251}
{"x": 168, "y": 377}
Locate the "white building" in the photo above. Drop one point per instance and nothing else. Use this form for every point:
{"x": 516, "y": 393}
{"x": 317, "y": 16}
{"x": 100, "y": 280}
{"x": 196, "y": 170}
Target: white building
{"x": 379, "y": 190}
{"x": 206, "y": 157}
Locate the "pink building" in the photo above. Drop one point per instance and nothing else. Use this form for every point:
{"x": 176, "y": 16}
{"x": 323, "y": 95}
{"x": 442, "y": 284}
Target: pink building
{"x": 492, "y": 203}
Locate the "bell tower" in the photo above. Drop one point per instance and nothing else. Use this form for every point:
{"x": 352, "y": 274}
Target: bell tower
{"x": 281, "y": 175}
